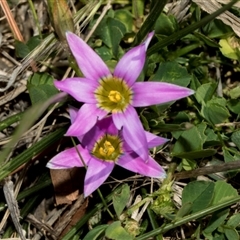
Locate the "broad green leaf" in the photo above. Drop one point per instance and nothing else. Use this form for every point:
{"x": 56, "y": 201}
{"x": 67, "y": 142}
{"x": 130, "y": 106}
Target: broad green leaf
{"x": 172, "y": 72}
{"x": 120, "y": 199}
{"x": 116, "y": 232}
{"x": 40, "y": 87}
{"x": 104, "y": 52}
{"x": 228, "y": 157}
{"x": 236, "y": 138}
{"x": 228, "y": 49}
{"x": 235, "y": 92}
{"x": 22, "y": 50}
{"x": 125, "y": 17}
{"x": 188, "y": 164}
{"x": 184, "y": 210}
{"x": 234, "y": 105}
{"x": 211, "y": 135}
{"x": 216, "y": 29}
{"x": 96, "y": 232}
{"x": 111, "y": 31}
{"x": 205, "y": 92}
{"x": 234, "y": 220}
{"x": 214, "y": 112}
{"x": 231, "y": 233}
{"x": 165, "y": 25}
{"x": 216, "y": 220}
{"x": 190, "y": 140}
{"x": 199, "y": 193}
{"x": 223, "y": 192}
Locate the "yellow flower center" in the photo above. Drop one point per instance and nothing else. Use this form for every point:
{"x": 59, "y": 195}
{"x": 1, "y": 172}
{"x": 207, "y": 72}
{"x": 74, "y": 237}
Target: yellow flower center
{"x": 108, "y": 148}
{"x": 113, "y": 94}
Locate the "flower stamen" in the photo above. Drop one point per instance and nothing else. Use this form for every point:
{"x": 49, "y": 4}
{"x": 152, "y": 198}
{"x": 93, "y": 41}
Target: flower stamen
{"x": 107, "y": 149}
{"x": 115, "y": 96}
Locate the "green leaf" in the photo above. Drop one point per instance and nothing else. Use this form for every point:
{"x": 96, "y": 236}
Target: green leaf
{"x": 234, "y": 105}
{"x": 235, "y": 92}
{"x": 217, "y": 29}
{"x": 111, "y": 33}
{"x": 125, "y": 17}
{"x": 116, "y": 232}
{"x": 120, "y": 199}
{"x": 165, "y": 25}
{"x": 196, "y": 154}
{"x": 231, "y": 234}
{"x": 207, "y": 40}
{"x": 150, "y": 21}
{"x": 199, "y": 193}
{"x": 179, "y": 34}
{"x": 96, "y": 232}
{"x": 214, "y": 112}
{"x": 29, "y": 153}
{"x": 223, "y": 192}
{"x": 216, "y": 220}
{"x": 22, "y": 50}
{"x": 205, "y": 92}
{"x": 236, "y": 138}
{"x": 104, "y": 52}
{"x": 190, "y": 140}
{"x": 228, "y": 50}
{"x": 40, "y": 87}
{"x": 172, "y": 72}
{"x": 188, "y": 164}
{"x": 234, "y": 220}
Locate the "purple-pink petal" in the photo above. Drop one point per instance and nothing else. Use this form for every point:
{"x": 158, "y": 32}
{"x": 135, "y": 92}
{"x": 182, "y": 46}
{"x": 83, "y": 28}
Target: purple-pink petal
{"x": 69, "y": 158}
{"x": 79, "y": 88}
{"x": 91, "y": 65}
{"x": 133, "y": 132}
{"x": 103, "y": 127}
{"x": 134, "y": 163}
{"x": 151, "y": 93}
{"x": 131, "y": 64}
{"x": 86, "y": 118}
{"x": 73, "y": 113}
{"x": 154, "y": 141}
{"x": 97, "y": 172}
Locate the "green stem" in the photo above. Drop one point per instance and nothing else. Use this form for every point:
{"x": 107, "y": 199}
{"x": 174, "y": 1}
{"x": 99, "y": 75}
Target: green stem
{"x": 10, "y": 120}
{"x": 150, "y": 21}
{"x": 104, "y": 203}
{"x": 99, "y": 192}
{"x": 79, "y": 154}
{"x": 188, "y": 218}
{"x": 85, "y": 218}
{"x": 35, "y": 17}
{"x": 28, "y": 154}
{"x": 174, "y": 37}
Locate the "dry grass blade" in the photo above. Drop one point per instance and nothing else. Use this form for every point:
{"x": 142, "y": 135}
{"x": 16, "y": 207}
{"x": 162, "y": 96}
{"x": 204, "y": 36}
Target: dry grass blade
{"x": 13, "y": 206}
{"x": 227, "y": 17}
{"x": 11, "y": 21}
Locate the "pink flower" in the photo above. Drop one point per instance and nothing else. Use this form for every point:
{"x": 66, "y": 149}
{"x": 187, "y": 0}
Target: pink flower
{"x": 103, "y": 147}
{"x": 117, "y": 93}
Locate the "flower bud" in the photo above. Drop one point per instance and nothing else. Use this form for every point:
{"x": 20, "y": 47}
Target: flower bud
{"x": 61, "y": 17}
